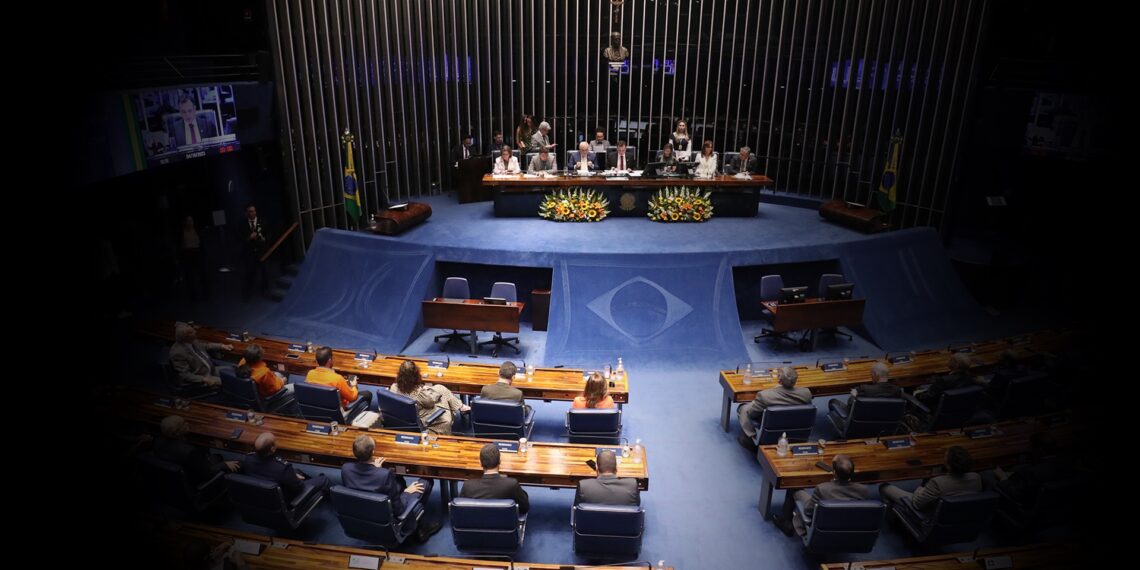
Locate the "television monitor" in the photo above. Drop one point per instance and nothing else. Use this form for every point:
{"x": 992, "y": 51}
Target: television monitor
{"x": 494, "y": 300}
{"x": 793, "y": 294}
{"x": 838, "y": 291}
{"x": 184, "y": 122}
{"x": 652, "y": 170}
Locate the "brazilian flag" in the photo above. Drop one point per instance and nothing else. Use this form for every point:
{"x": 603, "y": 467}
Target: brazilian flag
{"x": 351, "y": 196}
{"x": 888, "y": 188}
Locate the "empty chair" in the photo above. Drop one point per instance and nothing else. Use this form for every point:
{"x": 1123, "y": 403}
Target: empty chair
{"x": 503, "y": 290}
{"x": 796, "y": 421}
{"x": 1024, "y": 396}
{"x": 243, "y": 393}
{"x": 455, "y": 288}
{"x": 261, "y": 502}
{"x": 956, "y": 519}
{"x": 369, "y": 516}
{"x": 1055, "y": 503}
{"x": 770, "y": 286}
{"x": 486, "y": 525}
{"x": 726, "y": 159}
{"x": 501, "y": 418}
{"x": 955, "y": 408}
{"x": 167, "y": 483}
{"x": 398, "y": 411}
{"x": 608, "y": 531}
{"x": 599, "y": 426}
{"x": 844, "y": 526}
{"x": 322, "y": 404}
{"x": 868, "y": 417}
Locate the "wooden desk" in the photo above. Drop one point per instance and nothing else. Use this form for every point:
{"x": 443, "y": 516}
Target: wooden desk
{"x": 472, "y": 315}
{"x": 1054, "y": 556}
{"x": 461, "y": 377}
{"x": 815, "y": 313}
{"x": 521, "y": 183}
{"x": 451, "y": 458}
{"x": 923, "y": 366}
{"x": 278, "y": 553}
{"x": 874, "y": 463}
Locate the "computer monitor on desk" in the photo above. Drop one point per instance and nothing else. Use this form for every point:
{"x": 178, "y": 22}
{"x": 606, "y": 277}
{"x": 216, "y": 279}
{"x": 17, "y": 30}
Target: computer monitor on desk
{"x": 793, "y": 295}
{"x": 839, "y": 291}
{"x": 494, "y": 300}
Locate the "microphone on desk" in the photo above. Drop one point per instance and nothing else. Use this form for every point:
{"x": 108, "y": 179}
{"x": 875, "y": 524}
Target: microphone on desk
{"x": 510, "y": 561}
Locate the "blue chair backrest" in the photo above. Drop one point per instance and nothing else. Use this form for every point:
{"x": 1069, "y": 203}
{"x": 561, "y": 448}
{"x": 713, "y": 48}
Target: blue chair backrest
{"x": 167, "y": 481}
{"x": 456, "y": 288}
{"x": 956, "y": 407}
{"x": 367, "y": 516}
{"x": 826, "y": 280}
{"x": 608, "y": 529}
{"x": 796, "y": 421}
{"x": 594, "y": 425}
{"x": 727, "y": 158}
{"x": 960, "y": 518}
{"x": 844, "y": 526}
{"x": 241, "y": 391}
{"x": 485, "y": 524}
{"x": 498, "y": 418}
{"x": 1025, "y": 396}
{"x": 770, "y": 286}
{"x": 259, "y": 501}
{"x": 504, "y": 290}
{"x": 871, "y": 417}
{"x": 318, "y": 403}
{"x": 398, "y": 411}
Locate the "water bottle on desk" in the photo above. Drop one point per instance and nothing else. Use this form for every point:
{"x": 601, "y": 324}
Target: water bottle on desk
{"x": 424, "y": 439}
{"x": 782, "y": 445}
{"x": 748, "y": 373}
{"x": 620, "y": 369}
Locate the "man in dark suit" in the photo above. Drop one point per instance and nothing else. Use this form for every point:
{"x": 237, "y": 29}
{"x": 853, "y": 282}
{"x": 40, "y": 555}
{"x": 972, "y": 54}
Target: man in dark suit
{"x": 745, "y": 162}
{"x": 367, "y": 474}
{"x": 620, "y": 158}
{"x": 191, "y": 360}
{"x": 840, "y": 488}
{"x": 254, "y": 237}
{"x": 264, "y": 463}
{"x": 607, "y": 488}
{"x": 464, "y": 151}
{"x": 786, "y": 394}
{"x": 502, "y": 390}
{"x": 880, "y": 387}
{"x": 493, "y": 485}
{"x": 496, "y": 145}
{"x": 960, "y": 480}
{"x": 584, "y": 156}
{"x": 959, "y": 377}
{"x": 196, "y": 462}
{"x": 190, "y": 127}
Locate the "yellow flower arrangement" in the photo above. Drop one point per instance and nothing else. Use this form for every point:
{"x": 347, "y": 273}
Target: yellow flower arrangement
{"x": 680, "y": 205}
{"x": 574, "y": 205}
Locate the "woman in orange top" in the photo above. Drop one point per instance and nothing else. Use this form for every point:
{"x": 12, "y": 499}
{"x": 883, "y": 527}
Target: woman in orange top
{"x": 267, "y": 381}
{"x": 594, "y": 395}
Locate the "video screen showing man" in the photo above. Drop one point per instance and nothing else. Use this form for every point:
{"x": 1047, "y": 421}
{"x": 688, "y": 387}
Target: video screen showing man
{"x": 176, "y": 124}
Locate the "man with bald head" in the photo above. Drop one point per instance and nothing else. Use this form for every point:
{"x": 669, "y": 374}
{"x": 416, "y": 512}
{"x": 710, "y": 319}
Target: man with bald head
{"x": 880, "y": 387}
{"x": 607, "y": 488}
{"x": 199, "y": 465}
{"x": 191, "y": 359}
{"x": 264, "y": 463}
{"x": 786, "y": 394}
{"x": 959, "y": 377}
{"x": 583, "y": 160}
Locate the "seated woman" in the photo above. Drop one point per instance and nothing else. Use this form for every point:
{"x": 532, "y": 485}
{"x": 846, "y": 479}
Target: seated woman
{"x": 428, "y": 397}
{"x": 506, "y": 163}
{"x": 668, "y": 159}
{"x": 706, "y": 161}
{"x": 594, "y": 395}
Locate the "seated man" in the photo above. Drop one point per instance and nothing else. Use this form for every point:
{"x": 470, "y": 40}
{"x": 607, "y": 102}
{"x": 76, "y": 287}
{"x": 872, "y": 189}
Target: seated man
{"x": 786, "y": 394}
{"x": 1024, "y": 483}
{"x": 620, "y": 158}
{"x": 502, "y": 389}
{"x": 198, "y": 464}
{"x": 583, "y": 158}
{"x": 880, "y": 387}
{"x": 744, "y": 162}
{"x": 190, "y": 360}
{"x": 492, "y": 485}
{"x": 840, "y": 488}
{"x": 367, "y": 474}
{"x": 264, "y": 463}
{"x": 542, "y": 162}
{"x": 960, "y": 480}
{"x": 607, "y": 488}
{"x": 959, "y": 377}
{"x": 268, "y": 382}
{"x": 324, "y": 375}
{"x": 599, "y": 144}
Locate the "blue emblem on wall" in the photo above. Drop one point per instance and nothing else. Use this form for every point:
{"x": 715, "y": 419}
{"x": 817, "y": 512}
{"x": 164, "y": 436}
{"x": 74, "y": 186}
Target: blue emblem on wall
{"x": 639, "y": 309}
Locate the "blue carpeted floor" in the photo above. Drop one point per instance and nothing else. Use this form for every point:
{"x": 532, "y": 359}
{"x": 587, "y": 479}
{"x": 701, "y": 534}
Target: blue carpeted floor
{"x": 701, "y": 505}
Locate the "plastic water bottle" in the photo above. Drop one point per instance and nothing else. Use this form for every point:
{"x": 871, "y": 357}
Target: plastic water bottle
{"x": 660, "y": 563}
{"x": 748, "y": 373}
{"x": 424, "y": 439}
{"x": 782, "y": 445}
{"x": 637, "y": 449}
{"x": 309, "y": 346}
{"x": 620, "y": 369}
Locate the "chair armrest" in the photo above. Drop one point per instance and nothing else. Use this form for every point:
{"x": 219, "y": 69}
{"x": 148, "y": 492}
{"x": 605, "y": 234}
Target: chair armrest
{"x": 435, "y": 415}
{"x": 917, "y": 404}
{"x": 212, "y": 480}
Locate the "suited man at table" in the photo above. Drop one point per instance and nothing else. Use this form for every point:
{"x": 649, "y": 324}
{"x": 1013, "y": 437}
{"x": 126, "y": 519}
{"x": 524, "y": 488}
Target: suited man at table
{"x": 584, "y": 158}
{"x": 494, "y": 485}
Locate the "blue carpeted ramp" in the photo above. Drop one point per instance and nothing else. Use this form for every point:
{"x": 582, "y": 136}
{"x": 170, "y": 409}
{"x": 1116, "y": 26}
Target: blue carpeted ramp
{"x": 354, "y": 291}
{"x": 914, "y": 297}
{"x": 678, "y": 308}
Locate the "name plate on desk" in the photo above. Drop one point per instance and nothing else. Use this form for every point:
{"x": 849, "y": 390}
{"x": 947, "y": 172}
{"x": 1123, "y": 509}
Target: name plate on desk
{"x": 898, "y": 443}
{"x": 164, "y": 402}
{"x": 806, "y": 449}
{"x": 508, "y": 446}
{"x": 237, "y": 416}
{"x": 318, "y": 429}
{"x": 979, "y": 433}
{"x": 900, "y": 359}
{"x": 250, "y": 547}
{"x": 407, "y": 439}
{"x": 833, "y": 367}
{"x": 1023, "y": 339}
{"x": 962, "y": 350}
{"x": 297, "y": 347}
{"x": 438, "y": 364}
{"x": 234, "y": 336}
{"x": 998, "y": 562}
{"x": 363, "y": 562}
{"x": 447, "y": 300}
{"x": 365, "y": 356}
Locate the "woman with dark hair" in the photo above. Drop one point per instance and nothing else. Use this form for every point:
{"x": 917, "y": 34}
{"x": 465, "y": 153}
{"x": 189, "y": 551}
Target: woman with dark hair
{"x": 594, "y": 394}
{"x": 428, "y": 397}
{"x": 525, "y": 131}
{"x": 706, "y": 161}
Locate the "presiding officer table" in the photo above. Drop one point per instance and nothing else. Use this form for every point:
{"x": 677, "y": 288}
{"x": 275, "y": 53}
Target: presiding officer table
{"x": 471, "y": 315}
{"x": 521, "y": 195}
